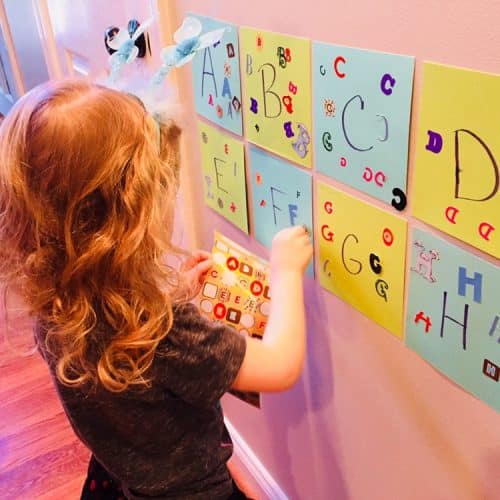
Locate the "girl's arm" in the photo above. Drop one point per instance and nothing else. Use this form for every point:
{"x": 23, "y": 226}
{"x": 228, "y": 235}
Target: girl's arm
{"x": 275, "y": 362}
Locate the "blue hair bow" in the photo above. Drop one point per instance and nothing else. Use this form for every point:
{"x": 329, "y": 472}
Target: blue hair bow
{"x": 189, "y": 41}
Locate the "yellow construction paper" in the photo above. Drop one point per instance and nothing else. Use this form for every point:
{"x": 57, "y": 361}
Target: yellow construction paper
{"x": 223, "y": 166}
{"x": 236, "y": 292}
{"x": 276, "y": 79}
{"x": 459, "y": 141}
{"x": 362, "y": 256}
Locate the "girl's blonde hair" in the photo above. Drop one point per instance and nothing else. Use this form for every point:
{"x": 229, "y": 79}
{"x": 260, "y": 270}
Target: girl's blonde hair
{"x": 87, "y": 194}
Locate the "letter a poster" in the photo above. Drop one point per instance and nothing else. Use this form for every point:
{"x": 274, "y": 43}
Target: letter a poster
{"x": 276, "y": 76}
{"x": 453, "y": 318}
{"x": 216, "y": 78}
{"x": 457, "y": 174}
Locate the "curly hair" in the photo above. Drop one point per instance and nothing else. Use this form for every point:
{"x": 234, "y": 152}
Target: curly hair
{"x": 87, "y": 196}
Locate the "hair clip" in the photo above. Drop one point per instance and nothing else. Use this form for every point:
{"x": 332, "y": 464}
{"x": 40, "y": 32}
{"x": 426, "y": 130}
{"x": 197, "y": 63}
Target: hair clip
{"x": 124, "y": 45}
{"x": 189, "y": 41}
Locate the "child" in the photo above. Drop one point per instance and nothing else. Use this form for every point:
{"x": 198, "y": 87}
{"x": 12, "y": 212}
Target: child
{"x": 87, "y": 189}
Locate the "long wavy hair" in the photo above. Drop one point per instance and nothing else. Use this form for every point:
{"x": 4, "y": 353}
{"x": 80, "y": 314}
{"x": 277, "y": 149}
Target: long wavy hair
{"x": 87, "y": 192}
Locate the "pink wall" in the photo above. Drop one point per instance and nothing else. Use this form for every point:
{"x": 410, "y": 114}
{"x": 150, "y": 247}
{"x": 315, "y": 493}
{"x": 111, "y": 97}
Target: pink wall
{"x": 369, "y": 419}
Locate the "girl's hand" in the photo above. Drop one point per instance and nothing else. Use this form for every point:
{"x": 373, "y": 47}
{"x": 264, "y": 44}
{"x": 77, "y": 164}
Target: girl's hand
{"x": 196, "y": 268}
{"x": 291, "y": 250}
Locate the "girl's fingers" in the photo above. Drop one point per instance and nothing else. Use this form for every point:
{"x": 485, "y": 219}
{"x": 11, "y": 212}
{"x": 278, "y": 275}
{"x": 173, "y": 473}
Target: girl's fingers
{"x": 204, "y": 266}
{"x": 201, "y": 255}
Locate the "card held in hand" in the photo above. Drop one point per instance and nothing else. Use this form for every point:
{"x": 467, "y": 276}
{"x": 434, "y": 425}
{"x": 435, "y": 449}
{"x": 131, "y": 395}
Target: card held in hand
{"x": 236, "y": 292}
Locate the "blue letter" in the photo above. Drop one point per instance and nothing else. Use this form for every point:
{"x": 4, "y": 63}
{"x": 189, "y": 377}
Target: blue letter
{"x": 463, "y": 281}
{"x": 292, "y": 209}
{"x": 226, "y": 90}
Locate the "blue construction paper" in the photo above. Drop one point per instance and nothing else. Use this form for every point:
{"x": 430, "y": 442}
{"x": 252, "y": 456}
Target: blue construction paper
{"x": 449, "y": 288}
{"x": 282, "y": 196}
{"x": 367, "y": 94}
{"x": 216, "y": 78}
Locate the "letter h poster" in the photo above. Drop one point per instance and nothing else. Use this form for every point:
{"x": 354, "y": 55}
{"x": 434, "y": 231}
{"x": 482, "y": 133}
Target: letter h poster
{"x": 453, "y": 317}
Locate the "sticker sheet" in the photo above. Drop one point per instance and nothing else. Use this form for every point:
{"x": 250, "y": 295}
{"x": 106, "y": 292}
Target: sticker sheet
{"x": 362, "y": 252}
{"x": 236, "y": 291}
{"x": 276, "y": 78}
{"x": 362, "y": 104}
{"x": 453, "y": 318}
{"x": 457, "y": 174}
{"x": 223, "y": 167}
{"x": 216, "y": 78}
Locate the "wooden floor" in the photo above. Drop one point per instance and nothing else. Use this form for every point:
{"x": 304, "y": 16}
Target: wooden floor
{"x": 40, "y": 457}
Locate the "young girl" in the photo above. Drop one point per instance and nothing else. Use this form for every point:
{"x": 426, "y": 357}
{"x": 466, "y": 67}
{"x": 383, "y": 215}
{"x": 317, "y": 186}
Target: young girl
{"x": 87, "y": 190}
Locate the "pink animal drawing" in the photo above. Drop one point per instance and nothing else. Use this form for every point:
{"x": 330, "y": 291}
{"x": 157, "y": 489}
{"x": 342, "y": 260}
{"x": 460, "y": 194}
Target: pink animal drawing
{"x": 423, "y": 266}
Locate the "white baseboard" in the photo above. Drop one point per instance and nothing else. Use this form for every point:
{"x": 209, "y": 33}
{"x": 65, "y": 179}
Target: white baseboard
{"x": 256, "y": 473}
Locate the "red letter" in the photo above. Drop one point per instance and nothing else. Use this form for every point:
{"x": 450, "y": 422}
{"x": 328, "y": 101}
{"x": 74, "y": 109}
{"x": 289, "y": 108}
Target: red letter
{"x": 451, "y": 214}
{"x": 256, "y": 288}
{"x": 485, "y": 229}
{"x": 328, "y": 236}
{"x": 232, "y": 263}
{"x": 219, "y": 311}
{"x": 339, "y": 59}
{"x": 368, "y": 174}
{"x": 381, "y": 176}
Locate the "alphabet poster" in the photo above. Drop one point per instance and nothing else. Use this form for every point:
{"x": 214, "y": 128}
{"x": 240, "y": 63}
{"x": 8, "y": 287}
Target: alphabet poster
{"x": 457, "y": 176}
{"x": 453, "y": 318}
{"x": 282, "y": 196}
{"x": 236, "y": 291}
{"x": 216, "y": 78}
{"x": 223, "y": 167}
{"x": 277, "y": 88}
{"x": 362, "y": 253}
{"x": 362, "y": 103}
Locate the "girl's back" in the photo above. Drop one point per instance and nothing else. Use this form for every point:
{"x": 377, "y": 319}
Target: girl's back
{"x": 87, "y": 189}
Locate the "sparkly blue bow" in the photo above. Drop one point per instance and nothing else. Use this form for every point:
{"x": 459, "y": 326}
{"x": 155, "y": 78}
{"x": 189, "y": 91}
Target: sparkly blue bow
{"x": 189, "y": 41}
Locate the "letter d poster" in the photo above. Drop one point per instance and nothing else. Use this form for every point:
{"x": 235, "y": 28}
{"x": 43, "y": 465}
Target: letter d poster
{"x": 457, "y": 174}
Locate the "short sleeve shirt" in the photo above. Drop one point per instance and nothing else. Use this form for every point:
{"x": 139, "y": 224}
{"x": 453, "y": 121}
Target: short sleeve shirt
{"x": 168, "y": 441}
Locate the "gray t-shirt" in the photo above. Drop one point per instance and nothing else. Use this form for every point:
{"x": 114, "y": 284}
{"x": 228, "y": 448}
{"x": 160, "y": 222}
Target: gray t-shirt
{"x": 168, "y": 441}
